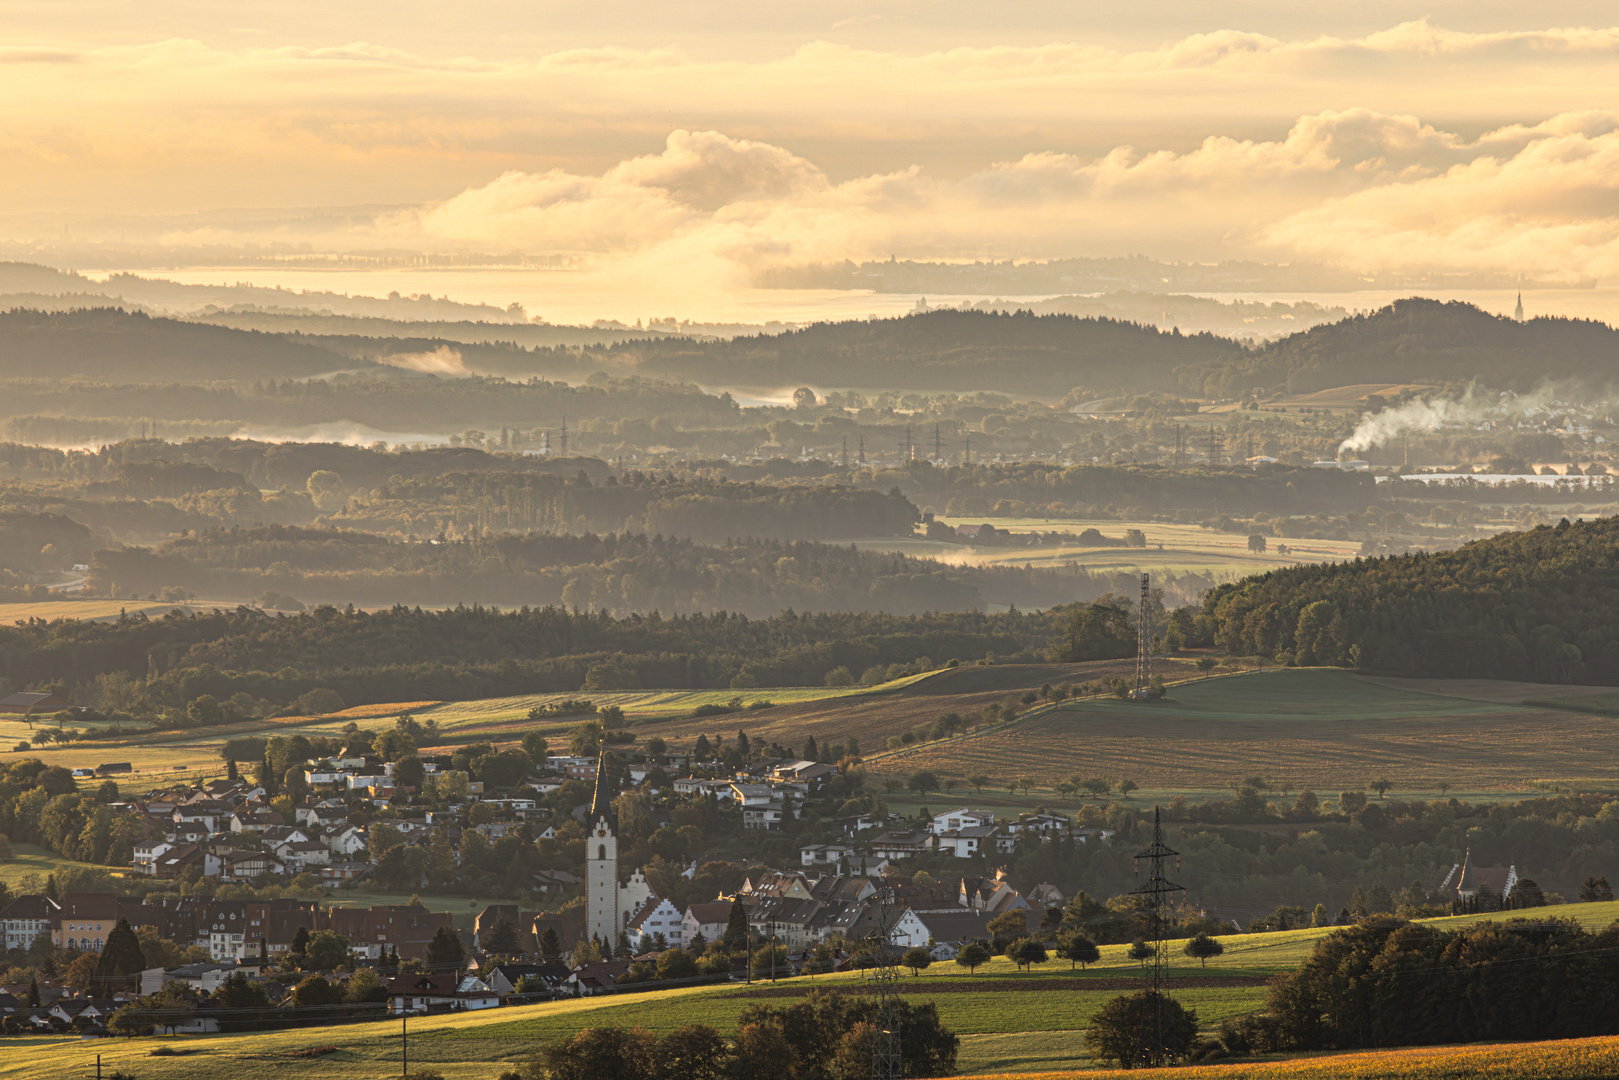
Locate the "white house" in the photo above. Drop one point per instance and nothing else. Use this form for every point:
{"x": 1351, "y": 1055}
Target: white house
{"x": 709, "y": 919}
{"x": 961, "y": 818}
{"x": 657, "y": 916}
{"x": 967, "y": 842}
{"x": 417, "y": 993}
{"x": 347, "y": 842}
{"x": 823, "y": 854}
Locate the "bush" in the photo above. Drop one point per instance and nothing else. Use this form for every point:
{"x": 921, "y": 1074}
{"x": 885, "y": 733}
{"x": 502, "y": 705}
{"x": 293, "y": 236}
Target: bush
{"x": 1125, "y": 1029}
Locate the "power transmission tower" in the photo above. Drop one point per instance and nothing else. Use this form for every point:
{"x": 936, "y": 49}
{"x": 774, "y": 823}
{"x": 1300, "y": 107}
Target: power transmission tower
{"x": 845, "y": 458}
{"x": 1156, "y": 890}
{"x": 938, "y": 444}
{"x": 1216, "y": 446}
{"x": 1180, "y": 445}
{"x": 887, "y": 1061}
{"x": 862, "y": 458}
{"x": 1143, "y": 646}
{"x": 967, "y": 455}
{"x": 564, "y": 439}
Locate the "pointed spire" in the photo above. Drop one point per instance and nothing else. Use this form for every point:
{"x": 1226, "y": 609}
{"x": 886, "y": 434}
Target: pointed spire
{"x": 601, "y": 805}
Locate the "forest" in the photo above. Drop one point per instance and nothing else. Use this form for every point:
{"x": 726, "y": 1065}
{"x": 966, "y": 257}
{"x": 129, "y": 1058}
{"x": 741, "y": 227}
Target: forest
{"x": 1536, "y": 605}
{"x": 465, "y": 653}
{"x": 1417, "y": 340}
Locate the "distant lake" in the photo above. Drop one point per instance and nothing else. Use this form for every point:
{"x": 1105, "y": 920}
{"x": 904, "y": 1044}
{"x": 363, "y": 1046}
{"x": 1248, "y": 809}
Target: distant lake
{"x": 582, "y": 297}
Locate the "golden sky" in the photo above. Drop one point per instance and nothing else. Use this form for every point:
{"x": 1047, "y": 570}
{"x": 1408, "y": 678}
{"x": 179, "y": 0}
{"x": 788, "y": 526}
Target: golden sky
{"x": 715, "y": 136}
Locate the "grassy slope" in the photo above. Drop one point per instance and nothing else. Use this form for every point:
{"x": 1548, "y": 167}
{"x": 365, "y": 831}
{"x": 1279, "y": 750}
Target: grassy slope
{"x": 1324, "y": 728}
{"x": 32, "y": 859}
{"x": 1007, "y": 1019}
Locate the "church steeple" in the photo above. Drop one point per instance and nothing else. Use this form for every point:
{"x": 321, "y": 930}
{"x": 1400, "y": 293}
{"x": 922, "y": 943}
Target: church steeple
{"x": 1517, "y": 313}
{"x": 601, "y": 803}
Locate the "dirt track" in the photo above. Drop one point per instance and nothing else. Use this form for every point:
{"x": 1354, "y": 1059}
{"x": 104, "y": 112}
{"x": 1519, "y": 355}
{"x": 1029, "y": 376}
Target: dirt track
{"x": 969, "y": 985}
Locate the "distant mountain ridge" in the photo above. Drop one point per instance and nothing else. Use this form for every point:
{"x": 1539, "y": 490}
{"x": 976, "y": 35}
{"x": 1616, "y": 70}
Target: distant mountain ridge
{"x": 1419, "y": 340}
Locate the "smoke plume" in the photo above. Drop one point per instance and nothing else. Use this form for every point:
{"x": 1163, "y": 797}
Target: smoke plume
{"x": 1419, "y": 416}
{"x": 443, "y": 361}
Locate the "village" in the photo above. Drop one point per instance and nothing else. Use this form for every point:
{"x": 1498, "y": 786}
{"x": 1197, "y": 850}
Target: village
{"x": 212, "y": 850}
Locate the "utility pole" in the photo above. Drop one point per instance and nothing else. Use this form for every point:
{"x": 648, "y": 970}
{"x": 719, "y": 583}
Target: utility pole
{"x": 404, "y": 1044}
{"x": 967, "y": 455}
{"x": 845, "y": 459}
{"x": 1156, "y": 889}
{"x": 887, "y": 1062}
{"x": 1143, "y": 646}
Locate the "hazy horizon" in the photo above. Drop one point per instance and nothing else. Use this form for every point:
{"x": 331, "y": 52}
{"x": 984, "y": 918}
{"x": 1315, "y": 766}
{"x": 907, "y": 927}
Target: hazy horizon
{"x": 676, "y": 152}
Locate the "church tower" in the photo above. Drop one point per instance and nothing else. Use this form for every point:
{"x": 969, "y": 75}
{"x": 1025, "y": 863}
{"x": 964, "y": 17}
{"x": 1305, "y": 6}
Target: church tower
{"x": 601, "y": 862}
{"x": 1517, "y": 315}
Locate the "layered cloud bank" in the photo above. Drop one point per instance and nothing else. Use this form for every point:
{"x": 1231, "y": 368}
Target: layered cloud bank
{"x": 1355, "y": 187}
{"x": 1217, "y": 146}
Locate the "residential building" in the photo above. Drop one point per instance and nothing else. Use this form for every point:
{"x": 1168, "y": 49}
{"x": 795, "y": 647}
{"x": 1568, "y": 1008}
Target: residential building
{"x": 709, "y": 920}
{"x": 960, "y": 818}
{"x": 27, "y": 917}
{"x": 84, "y": 921}
{"x": 439, "y": 993}
{"x": 657, "y": 916}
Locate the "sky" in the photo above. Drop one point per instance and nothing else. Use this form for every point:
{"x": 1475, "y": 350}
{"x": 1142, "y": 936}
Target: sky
{"x": 712, "y": 139}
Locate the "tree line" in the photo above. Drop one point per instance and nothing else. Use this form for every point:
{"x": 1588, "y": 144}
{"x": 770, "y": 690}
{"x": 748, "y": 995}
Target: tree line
{"x": 1536, "y": 605}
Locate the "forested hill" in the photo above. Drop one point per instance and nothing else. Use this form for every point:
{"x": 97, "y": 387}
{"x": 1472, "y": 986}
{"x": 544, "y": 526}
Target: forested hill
{"x": 1421, "y": 341}
{"x": 941, "y": 350}
{"x": 109, "y": 344}
{"x": 1540, "y": 605}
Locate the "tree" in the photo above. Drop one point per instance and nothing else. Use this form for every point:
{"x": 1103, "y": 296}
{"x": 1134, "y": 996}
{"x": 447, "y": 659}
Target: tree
{"x": 923, "y": 781}
{"x": 1351, "y": 802}
{"x": 1096, "y": 786}
{"x": 973, "y": 956}
{"x": 313, "y": 993}
{"x": 979, "y": 782}
{"x": 1596, "y": 889}
{"x": 676, "y": 964}
{"x": 445, "y": 952}
{"x": 1257, "y": 543}
{"x": 1382, "y": 785}
{"x": 326, "y": 950}
{"x": 550, "y": 944}
{"x": 736, "y": 928}
{"x": 410, "y": 772}
{"x": 535, "y": 746}
{"x": 1206, "y": 664}
{"x": 1202, "y": 947}
{"x": 1141, "y": 952}
{"x": 1077, "y": 949}
{"x": 1006, "y": 926}
{"x": 916, "y": 959}
{"x": 1528, "y": 894}
{"x": 1026, "y": 952}
{"x": 364, "y": 987}
{"x": 693, "y": 1052}
{"x": 120, "y": 958}
{"x": 502, "y": 939}
{"x": 1126, "y": 1029}
{"x": 1127, "y": 786}
{"x": 300, "y": 942}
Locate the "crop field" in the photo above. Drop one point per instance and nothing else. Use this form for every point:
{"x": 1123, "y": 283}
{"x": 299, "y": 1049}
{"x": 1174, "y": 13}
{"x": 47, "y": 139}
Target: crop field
{"x": 1170, "y": 547}
{"x": 51, "y": 610}
{"x": 1323, "y": 728}
{"x": 1567, "y": 1059}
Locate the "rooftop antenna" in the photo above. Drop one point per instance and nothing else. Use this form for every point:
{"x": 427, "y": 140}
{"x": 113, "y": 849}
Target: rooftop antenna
{"x": 1157, "y": 890}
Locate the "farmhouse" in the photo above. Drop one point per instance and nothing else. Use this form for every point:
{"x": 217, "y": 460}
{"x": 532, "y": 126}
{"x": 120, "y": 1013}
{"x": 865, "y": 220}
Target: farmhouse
{"x": 29, "y": 703}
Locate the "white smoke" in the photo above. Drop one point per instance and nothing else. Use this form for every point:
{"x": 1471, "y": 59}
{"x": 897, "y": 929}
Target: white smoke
{"x": 443, "y": 361}
{"x": 1426, "y": 415}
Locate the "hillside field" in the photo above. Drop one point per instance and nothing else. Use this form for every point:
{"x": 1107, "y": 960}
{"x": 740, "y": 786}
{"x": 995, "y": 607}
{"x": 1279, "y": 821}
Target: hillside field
{"x": 1170, "y": 547}
{"x": 1324, "y": 728}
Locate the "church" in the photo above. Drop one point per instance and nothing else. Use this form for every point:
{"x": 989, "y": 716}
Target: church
{"x": 609, "y": 905}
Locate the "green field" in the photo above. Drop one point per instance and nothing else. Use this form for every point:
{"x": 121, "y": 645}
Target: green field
{"x": 32, "y": 859}
{"x": 1324, "y": 728}
{"x": 1170, "y": 547}
{"x": 1007, "y": 1019}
